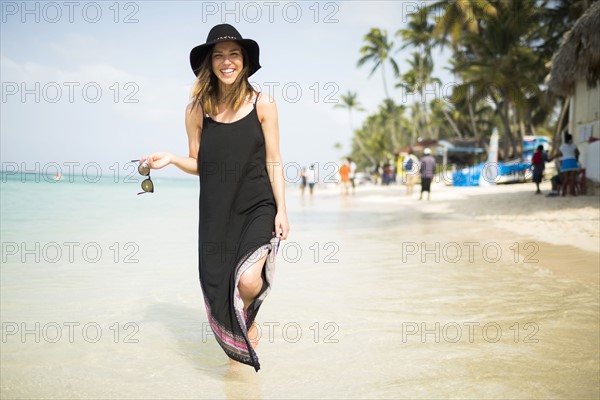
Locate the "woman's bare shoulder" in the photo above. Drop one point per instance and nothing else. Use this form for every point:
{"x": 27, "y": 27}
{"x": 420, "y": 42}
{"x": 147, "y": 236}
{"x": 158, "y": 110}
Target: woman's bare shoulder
{"x": 265, "y": 104}
{"x": 194, "y": 113}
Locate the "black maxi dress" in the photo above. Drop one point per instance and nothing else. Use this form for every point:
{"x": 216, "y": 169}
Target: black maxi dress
{"x": 237, "y": 218}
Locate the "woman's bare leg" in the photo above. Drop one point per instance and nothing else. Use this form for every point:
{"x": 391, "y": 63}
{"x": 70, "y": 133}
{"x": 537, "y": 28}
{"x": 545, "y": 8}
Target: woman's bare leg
{"x": 250, "y": 284}
{"x": 573, "y": 180}
{"x": 569, "y": 185}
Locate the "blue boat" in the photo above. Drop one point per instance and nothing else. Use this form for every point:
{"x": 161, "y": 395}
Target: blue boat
{"x": 493, "y": 172}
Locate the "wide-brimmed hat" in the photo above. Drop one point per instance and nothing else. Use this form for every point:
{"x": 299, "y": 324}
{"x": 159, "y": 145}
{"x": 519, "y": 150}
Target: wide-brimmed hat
{"x": 427, "y": 150}
{"x": 224, "y": 33}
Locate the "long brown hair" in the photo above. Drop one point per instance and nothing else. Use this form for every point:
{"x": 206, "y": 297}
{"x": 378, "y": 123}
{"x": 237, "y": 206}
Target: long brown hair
{"x": 206, "y": 88}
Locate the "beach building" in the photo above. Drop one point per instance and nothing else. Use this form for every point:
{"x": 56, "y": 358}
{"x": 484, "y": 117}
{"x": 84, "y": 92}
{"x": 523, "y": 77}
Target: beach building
{"x": 575, "y": 75}
{"x": 455, "y": 151}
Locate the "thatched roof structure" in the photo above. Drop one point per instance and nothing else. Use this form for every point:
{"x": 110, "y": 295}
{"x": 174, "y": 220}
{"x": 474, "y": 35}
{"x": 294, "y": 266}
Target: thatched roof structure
{"x": 579, "y": 55}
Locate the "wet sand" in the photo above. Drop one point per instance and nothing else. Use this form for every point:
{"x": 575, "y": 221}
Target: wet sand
{"x": 566, "y": 229}
{"x": 376, "y": 295}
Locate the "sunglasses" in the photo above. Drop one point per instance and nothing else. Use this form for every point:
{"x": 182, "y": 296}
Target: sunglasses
{"x": 144, "y": 170}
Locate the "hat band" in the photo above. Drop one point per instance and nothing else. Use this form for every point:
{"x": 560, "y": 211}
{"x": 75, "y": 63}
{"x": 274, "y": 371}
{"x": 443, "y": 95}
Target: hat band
{"x": 226, "y": 37}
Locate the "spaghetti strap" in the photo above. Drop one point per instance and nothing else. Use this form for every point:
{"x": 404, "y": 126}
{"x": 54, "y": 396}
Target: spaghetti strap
{"x": 256, "y": 99}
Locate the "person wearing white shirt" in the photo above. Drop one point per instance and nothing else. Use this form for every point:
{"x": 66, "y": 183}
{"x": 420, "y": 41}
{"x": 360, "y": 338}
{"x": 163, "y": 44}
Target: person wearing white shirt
{"x": 569, "y": 155}
{"x": 310, "y": 178}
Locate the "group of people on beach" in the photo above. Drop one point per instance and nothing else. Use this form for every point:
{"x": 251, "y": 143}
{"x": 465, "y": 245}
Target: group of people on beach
{"x": 411, "y": 168}
{"x": 567, "y": 168}
{"x": 347, "y": 177}
{"x": 407, "y": 170}
{"x": 307, "y": 178}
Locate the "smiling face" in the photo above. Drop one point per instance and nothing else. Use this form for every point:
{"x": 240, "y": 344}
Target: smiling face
{"x": 227, "y": 62}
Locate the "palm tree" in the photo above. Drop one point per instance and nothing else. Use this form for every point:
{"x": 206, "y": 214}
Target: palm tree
{"x": 438, "y": 106}
{"x": 350, "y": 103}
{"x": 460, "y": 16}
{"x": 419, "y": 35}
{"x": 416, "y": 80}
{"x": 501, "y": 50}
{"x": 496, "y": 58}
{"x": 390, "y": 116}
{"x": 377, "y": 50}
{"x": 377, "y": 134}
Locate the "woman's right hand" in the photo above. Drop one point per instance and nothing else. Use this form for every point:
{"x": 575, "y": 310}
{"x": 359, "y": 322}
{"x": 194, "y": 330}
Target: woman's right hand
{"x": 158, "y": 160}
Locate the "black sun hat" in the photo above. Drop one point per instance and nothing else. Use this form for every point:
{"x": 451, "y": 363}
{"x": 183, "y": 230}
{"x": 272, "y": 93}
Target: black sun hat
{"x": 223, "y": 33}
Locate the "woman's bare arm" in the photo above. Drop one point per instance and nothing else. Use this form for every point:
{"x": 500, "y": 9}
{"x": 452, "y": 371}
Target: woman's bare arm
{"x": 267, "y": 112}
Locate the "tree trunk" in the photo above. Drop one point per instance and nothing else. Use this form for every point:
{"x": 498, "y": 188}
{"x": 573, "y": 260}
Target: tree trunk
{"x": 385, "y": 90}
{"x": 510, "y": 143}
{"x": 425, "y": 119}
{"x": 503, "y": 112}
{"x": 415, "y": 132}
{"x": 472, "y": 118}
{"x": 452, "y": 123}
{"x": 556, "y": 139}
{"x": 359, "y": 141}
{"x": 523, "y": 132}
{"x": 528, "y": 123}
{"x": 424, "y": 111}
{"x": 364, "y": 150}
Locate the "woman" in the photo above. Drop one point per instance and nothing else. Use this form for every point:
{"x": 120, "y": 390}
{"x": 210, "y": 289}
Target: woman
{"x": 233, "y": 138}
{"x": 569, "y": 156}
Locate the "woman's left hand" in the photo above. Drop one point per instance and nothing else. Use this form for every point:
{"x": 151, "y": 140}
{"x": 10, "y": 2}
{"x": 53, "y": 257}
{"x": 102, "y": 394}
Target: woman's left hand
{"x": 281, "y": 225}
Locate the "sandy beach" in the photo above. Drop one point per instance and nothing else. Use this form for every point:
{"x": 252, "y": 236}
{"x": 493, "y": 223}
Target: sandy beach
{"x": 477, "y": 293}
{"x": 565, "y": 226}
{"x": 560, "y": 225}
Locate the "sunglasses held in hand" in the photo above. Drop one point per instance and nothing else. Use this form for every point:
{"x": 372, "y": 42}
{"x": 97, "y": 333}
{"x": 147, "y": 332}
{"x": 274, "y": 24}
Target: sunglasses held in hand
{"x": 144, "y": 170}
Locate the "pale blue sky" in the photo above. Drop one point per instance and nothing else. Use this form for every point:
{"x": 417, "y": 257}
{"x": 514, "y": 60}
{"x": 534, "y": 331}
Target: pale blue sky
{"x": 151, "y": 53}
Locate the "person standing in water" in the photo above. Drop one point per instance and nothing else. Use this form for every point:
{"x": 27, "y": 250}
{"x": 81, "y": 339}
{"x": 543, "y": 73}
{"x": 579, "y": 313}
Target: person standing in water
{"x": 352, "y": 174}
{"x": 344, "y": 172}
{"x": 310, "y": 179}
{"x": 233, "y": 141}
